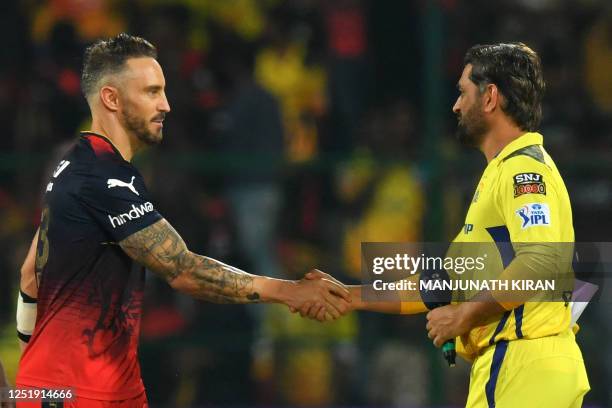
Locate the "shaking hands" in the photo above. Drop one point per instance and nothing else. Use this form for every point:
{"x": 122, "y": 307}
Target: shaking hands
{"x": 321, "y": 297}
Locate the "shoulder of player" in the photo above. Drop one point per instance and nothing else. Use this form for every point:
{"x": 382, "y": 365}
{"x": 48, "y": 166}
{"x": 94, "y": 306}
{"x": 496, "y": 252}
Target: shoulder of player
{"x": 102, "y": 164}
{"x": 527, "y": 170}
{"x": 97, "y": 154}
{"x": 530, "y": 165}
{"x": 531, "y": 159}
{"x": 108, "y": 176}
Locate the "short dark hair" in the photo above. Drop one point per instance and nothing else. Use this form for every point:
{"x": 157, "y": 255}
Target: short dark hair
{"x": 109, "y": 57}
{"x": 516, "y": 70}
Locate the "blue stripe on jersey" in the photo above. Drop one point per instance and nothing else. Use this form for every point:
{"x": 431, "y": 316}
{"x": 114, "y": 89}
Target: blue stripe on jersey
{"x": 502, "y": 235}
{"x": 518, "y": 318}
{"x": 500, "y": 327}
{"x": 498, "y": 357}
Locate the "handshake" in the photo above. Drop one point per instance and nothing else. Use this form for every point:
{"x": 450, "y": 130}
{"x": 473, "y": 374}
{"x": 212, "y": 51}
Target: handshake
{"x": 321, "y": 297}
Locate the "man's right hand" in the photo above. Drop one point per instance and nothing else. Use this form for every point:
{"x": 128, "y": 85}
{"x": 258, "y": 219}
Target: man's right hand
{"x": 319, "y": 298}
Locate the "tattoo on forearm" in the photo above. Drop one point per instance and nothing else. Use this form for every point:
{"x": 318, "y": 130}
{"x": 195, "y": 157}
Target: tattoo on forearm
{"x": 162, "y": 250}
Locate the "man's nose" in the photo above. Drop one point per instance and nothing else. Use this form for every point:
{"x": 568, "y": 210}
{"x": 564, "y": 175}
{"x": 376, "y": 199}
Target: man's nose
{"x": 164, "y": 106}
{"x": 456, "y": 109}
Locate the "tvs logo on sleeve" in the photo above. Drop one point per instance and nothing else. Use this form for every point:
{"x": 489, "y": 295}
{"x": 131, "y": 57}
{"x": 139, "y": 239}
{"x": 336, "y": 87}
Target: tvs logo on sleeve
{"x": 529, "y": 183}
{"x": 534, "y": 214}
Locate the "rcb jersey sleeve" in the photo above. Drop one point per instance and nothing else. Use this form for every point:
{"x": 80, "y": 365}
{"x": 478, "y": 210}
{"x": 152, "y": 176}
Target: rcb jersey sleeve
{"x": 116, "y": 197}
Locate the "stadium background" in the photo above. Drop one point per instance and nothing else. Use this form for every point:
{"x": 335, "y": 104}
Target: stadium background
{"x": 298, "y": 129}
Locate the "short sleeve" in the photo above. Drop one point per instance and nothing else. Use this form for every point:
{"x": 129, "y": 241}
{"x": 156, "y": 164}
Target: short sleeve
{"x": 117, "y": 199}
{"x": 528, "y": 201}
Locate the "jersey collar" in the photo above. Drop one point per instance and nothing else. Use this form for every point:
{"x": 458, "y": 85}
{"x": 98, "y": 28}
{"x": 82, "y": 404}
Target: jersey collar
{"x": 111, "y": 146}
{"x": 528, "y": 139}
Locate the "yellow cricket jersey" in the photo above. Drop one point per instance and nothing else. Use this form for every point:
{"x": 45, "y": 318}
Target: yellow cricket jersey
{"x": 521, "y": 198}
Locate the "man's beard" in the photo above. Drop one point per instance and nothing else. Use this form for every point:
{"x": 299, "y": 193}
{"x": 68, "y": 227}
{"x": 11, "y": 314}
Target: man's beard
{"x": 140, "y": 127}
{"x": 471, "y": 127}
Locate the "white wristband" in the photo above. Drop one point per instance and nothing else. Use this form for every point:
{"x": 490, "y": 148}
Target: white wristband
{"x": 26, "y": 316}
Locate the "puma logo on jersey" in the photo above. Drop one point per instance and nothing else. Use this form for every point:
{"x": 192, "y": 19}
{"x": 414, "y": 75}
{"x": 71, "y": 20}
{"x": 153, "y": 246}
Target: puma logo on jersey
{"x": 118, "y": 183}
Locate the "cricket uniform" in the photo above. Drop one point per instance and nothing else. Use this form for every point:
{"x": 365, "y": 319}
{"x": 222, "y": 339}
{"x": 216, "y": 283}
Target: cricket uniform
{"x": 90, "y": 292}
{"x": 528, "y": 357}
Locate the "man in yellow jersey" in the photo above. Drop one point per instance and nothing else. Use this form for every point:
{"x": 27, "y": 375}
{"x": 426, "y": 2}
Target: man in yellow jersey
{"x": 524, "y": 354}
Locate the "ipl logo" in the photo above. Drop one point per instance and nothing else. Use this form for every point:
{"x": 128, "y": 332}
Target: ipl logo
{"x": 534, "y": 214}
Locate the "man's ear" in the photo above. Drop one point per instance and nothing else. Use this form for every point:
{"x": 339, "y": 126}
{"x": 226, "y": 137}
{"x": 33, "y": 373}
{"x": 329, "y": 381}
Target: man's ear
{"x": 109, "y": 96}
{"x": 491, "y": 98}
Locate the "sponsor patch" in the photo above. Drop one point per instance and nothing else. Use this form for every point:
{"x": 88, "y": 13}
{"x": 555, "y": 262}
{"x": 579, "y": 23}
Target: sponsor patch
{"x": 534, "y": 214}
{"x": 529, "y": 183}
{"x": 134, "y": 213}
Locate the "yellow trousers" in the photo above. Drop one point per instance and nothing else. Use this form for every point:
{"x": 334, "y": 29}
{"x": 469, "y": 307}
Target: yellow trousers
{"x": 529, "y": 373}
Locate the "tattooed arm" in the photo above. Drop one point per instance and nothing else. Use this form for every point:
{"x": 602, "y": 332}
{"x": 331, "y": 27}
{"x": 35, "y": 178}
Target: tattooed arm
{"x": 162, "y": 250}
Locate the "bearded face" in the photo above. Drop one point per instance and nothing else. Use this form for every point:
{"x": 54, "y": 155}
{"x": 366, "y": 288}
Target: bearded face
{"x": 143, "y": 100}
{"x": 471, "y": 125}
{"x": 149, "y": 130}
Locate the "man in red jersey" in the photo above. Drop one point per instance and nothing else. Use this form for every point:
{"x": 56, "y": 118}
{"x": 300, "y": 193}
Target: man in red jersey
{"x": 99, "y": 228}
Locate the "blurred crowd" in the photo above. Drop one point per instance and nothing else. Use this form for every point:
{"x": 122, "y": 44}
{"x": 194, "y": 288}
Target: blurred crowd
{"x": 296, "y": 133}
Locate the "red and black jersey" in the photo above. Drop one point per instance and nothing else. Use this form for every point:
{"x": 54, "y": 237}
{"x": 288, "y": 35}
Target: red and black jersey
{"x": 90, "y": 292}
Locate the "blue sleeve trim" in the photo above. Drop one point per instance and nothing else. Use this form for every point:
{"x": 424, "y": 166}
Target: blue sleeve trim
{"x": 501, "y": 236}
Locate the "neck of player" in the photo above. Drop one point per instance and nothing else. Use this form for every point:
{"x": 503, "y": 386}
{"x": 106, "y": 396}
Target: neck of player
{"x": 498, "y": 137}
{"x": 126, "y": 144}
